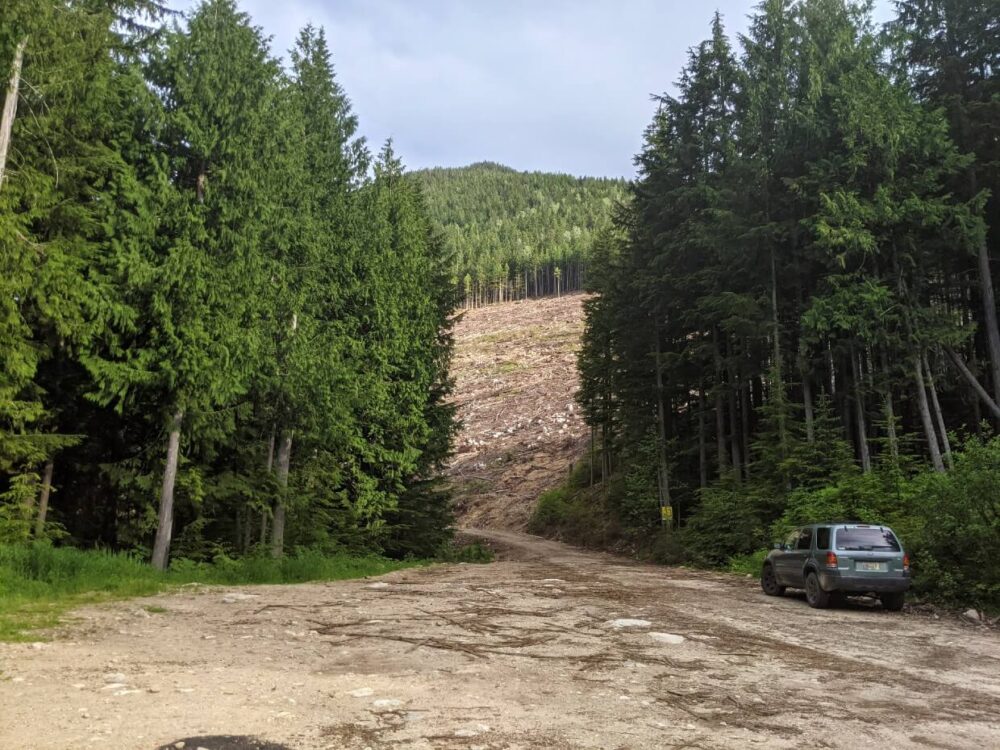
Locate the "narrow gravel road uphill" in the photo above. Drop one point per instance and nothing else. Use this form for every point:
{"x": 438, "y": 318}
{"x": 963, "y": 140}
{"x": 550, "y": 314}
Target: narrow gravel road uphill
{"x": 550, "y": 647}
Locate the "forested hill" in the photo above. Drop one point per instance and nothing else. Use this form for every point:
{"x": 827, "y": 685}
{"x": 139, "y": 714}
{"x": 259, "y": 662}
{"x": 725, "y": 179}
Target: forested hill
{"x": 517, "y": 234}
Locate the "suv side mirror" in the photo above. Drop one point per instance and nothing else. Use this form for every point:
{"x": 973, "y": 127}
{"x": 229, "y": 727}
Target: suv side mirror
{"x": 779, "y": 545}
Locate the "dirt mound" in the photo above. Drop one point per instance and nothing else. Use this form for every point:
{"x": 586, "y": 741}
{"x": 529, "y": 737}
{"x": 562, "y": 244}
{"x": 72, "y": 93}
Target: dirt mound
{"x": 515, "y": 380}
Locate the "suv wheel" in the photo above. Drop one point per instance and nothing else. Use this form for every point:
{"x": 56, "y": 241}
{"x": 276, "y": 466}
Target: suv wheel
{"x": 815, "y": 595}
{"x": 894, "y": 601}
{"x": 769, "y": 582}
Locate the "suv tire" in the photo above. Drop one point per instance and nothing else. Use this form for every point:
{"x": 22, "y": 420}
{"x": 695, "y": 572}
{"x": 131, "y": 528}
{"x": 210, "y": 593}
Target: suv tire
{"x": 815, "y": 595}
{"x": 769, "y": 582}
{"x": 893, "y": 602}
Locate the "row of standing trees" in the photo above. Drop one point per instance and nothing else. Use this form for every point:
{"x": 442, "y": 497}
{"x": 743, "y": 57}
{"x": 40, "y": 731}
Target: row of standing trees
{"x": 517, "y": 235}
{"x": 222, "y": 325}
{"x": 803, "y": 274}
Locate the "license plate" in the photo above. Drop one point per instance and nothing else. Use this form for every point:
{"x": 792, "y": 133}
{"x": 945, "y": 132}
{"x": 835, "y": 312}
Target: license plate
{"x": 874, "y": 567}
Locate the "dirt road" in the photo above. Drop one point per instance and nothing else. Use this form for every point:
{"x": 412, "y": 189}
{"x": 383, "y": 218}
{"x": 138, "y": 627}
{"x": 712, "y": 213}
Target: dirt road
{"x": 550, "y": 647}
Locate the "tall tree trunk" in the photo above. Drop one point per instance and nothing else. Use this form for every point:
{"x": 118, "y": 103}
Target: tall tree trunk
{"x": 807, "y": 401}
{"x": 720, "y": 415}
{"x": 938, "y": 416}
{"x": 702, "y": 446}
{"x": 165, "y": 522}
{"x": 990, "y": 316}
{"x": 925, "y": 415}
{"x": 859, "y": 413}
{"x": 661, "y": 419}
{"x": 778, "y": 390}
{"x": 745, "y": 425}
{"x": 10, "y": 105}
{"x": 593, "y": 456}
{"x": 890, "y": 412}
{"x": 43, "y": 498}
{"x": 284, "y": 460}
{"x": 974, "y": 382}
{"x": 734, "y": 429}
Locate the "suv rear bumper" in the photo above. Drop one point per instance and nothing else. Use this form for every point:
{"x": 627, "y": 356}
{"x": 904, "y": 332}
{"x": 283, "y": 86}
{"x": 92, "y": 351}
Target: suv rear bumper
{"x": 882, "y": 584}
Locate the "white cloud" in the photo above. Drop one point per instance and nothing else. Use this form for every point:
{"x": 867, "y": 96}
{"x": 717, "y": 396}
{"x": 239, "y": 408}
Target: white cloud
{"x": 558, "y": 85}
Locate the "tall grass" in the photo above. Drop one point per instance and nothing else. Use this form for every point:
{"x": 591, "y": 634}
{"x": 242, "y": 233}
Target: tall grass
{"x": 39, "y": 582}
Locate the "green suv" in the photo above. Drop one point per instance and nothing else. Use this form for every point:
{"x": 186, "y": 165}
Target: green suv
{"x": 830, "y": 560}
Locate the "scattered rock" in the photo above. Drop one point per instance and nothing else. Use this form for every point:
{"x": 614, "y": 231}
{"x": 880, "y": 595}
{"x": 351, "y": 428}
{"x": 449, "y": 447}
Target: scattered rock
{"x": 972, "y": 615}
{"x": 115, "y": 686}
{"x": 471, "y": 731}
{"x": 387, "y": 703}
{"x": 377, "y": 585}
{"x": 671, "y": 638}
{"x": 237, "y": 596}
{"x": 362, "y": 692}
{"x": 115, "y": 677}
{"x": 626, "y": 622}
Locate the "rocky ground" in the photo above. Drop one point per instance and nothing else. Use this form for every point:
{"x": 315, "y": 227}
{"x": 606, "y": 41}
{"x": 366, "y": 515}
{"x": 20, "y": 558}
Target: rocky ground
{"x": 515, "y": 373}
{"x": 549, "y": 647}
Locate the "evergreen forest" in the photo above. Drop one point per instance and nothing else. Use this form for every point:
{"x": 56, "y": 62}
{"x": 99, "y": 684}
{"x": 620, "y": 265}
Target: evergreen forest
{"x": 794, "y": 317}
{"x": 224, "y": 321}
{"x": 517, "y": 235}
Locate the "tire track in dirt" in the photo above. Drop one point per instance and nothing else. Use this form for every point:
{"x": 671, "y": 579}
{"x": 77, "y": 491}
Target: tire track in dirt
{"x": 540, "y": 649}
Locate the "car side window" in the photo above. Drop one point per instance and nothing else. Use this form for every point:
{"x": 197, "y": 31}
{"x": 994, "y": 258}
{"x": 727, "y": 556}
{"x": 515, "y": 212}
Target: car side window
{"x": 792, "y": 539}
{"x": 805, "y": 539}
{"x": 823, "y": 538}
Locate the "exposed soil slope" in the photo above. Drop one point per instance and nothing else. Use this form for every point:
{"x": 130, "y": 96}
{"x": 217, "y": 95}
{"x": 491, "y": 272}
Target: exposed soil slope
{"x": 550, "y": 647}
{"x": 515, "y": 373}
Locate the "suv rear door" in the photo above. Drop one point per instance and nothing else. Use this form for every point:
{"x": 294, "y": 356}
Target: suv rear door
{"x": 792, "y": 560}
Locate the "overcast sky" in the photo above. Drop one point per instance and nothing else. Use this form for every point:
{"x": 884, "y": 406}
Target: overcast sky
{"x": 551, "y": 85}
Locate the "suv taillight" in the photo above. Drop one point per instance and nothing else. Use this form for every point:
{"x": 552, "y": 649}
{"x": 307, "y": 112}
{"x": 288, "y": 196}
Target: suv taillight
{"x": 831, "y": 560}
{"x": 906, "y": 561}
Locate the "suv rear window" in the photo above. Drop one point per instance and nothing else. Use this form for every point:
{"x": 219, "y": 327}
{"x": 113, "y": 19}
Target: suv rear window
{"x": 822, "y": 538}
{"x": 866, "y": 538}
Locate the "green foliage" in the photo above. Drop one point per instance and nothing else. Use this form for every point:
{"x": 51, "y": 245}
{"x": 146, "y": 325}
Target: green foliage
{"x": 949, "y": 522}
{"x": 476, "y": 552}
{"x": 39, "y": 582}
{"x": 808, "y": 237}
{"x": 517, "y": 234}
{"x": 193, "y": 245}
{"x": 747, "y": 564}
{"x": 576, "y": 516}
{"x": 726, "y": 523}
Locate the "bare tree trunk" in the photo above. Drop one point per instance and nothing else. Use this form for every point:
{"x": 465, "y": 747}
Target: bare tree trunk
{"x": 661, "y": 414}
{"x": 720, "y": 415}
{"x": 593, "y": 457}
{"x": 990, "y": 316}
{"x": 807, "y": 401}
{"x": 702, "y": 446}
{"x": 278, "y": 530}
{"x": 43, "y": 499}
{"x": 890, "y": 412}
{"x": 832, "y": 371}
{"x": 734, "y": 429}
{"x": 976, "y": 385}
{"x": 925, "y": 416}
{"x": 745, "y": 425}
{"x": 165, "y": 522}
{"x": 778, "y": 386}
{"x": 938, "y": 415}
{"x": 10, "y": 105}
{"x": 247, "y": 531}
{"x": 859, "y": 413}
